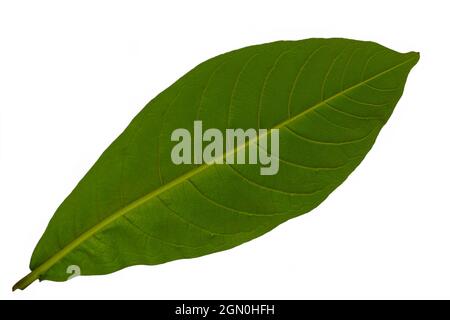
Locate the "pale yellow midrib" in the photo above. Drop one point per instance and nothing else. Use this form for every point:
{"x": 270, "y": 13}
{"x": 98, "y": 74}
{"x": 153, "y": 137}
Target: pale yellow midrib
{"x": 23, "y": 283}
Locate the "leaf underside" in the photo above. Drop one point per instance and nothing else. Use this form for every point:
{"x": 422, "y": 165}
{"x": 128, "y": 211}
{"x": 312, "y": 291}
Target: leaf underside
{"x": 328, "y": 97}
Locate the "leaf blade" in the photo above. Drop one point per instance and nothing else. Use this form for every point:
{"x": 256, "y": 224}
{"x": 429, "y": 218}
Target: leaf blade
{"x": 231, "y": 71}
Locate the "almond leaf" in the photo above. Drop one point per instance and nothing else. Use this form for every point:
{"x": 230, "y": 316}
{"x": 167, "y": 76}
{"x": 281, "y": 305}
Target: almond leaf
{"x": 329, "y": 98}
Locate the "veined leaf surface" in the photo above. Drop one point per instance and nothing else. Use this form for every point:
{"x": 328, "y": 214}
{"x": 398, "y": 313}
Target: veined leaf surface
{"x": 328, "y": 97}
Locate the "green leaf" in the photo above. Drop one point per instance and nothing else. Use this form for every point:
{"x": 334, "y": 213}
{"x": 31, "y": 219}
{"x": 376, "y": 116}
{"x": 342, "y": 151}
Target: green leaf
{"x": 329, "y": 98}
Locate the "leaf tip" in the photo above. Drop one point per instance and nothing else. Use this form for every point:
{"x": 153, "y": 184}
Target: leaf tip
{"x": 415, "y": 56}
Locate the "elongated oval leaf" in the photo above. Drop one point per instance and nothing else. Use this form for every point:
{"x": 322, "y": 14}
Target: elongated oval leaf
{"x": 329, "y": 98}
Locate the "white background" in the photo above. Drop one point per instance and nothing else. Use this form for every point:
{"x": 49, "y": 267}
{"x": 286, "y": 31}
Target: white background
{"x": 74, "y": 73}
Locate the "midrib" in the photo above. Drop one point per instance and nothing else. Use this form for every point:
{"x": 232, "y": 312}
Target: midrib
{"x": 32, "y": 276}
